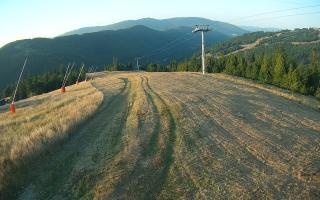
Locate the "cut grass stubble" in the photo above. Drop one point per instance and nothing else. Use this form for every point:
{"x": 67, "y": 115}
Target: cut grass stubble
{"x": 40, "y": 122}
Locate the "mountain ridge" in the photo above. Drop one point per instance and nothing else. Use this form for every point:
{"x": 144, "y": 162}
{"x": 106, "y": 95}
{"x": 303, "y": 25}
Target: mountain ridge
{"x": 98, "y": 49}
{"x": 163, "y": 24}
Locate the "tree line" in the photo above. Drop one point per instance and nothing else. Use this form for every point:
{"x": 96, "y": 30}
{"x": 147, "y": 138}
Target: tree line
{"x": 275, "y": 68}
{"x": 285, "y": 67}
{"x": 43, "y": 83}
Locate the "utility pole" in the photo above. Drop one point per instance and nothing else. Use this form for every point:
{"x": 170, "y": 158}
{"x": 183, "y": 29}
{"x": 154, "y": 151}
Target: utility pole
{"x": 202, "y": 29}
{"x": 138, "y": 66}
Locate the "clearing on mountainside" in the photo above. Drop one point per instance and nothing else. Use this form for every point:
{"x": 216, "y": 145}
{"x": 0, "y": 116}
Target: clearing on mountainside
{"x": 181, "y": 136}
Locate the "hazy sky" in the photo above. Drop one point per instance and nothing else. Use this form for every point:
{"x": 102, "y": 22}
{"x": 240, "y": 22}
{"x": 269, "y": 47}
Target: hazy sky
{"x": 22, "y": 19}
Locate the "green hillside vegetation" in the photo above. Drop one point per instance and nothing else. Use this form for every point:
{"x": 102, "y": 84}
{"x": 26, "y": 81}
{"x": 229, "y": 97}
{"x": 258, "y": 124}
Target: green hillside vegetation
{"x": 44, "y": 83}
{"x": 277, "y": 62}
{"x": 298, "y": 35}
{"x": 281, "y": 68}
{"x": 98, "y": 49}
{"x": 234, "y": 44}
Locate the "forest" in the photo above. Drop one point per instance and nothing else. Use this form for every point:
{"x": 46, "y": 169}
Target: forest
{"x": 276, "y": 60}
{"x": 43, "y": 83}
{"x": 294, "y": 68}
{"x": 280, "y": 68}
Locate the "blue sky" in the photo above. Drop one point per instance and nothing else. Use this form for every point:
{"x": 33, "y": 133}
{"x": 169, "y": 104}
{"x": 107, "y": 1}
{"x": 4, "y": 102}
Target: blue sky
{"x": 48, "y": 18}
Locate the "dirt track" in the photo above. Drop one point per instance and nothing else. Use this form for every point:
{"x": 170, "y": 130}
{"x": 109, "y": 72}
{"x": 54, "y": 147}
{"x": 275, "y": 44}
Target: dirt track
{"x": 183, "y": 136}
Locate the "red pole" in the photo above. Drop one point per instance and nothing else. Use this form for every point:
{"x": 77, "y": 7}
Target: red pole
{"x": 12, "y": 108}
{"x": 63, "y": 89}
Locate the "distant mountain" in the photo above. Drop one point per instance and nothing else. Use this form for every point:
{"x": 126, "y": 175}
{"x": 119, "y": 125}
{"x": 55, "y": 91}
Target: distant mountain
{"x": 99, "y": 48}
{"x": 165, "y": 24}
{"x": 258, "y": 29}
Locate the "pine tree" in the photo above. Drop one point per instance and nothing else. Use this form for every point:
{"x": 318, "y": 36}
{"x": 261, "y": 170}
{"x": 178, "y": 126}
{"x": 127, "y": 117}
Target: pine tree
{"x": 241, "y": 67}
{"x": 303, "y": 75}
{"x": 314, "y": 60}
{"x": 249, "y": 72}
{"x": 173, "y": 66}
{"x": 182, "y": 67}
{"x": 231, "y": 65}
{"x": 255, "y": 71}
{"x": 292, "y": 80}
{"x": 279, "y": 69}
{"x": 315, "y": 69}
{"x": 265, "y": 74}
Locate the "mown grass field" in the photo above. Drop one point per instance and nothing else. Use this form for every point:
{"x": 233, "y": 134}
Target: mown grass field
{"x": 40, "y": 122}
{"x": 177, "y": 136}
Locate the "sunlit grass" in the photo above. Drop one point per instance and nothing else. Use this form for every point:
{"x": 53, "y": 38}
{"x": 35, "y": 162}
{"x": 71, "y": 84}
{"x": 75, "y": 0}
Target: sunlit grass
{"x": 40, "y": 121}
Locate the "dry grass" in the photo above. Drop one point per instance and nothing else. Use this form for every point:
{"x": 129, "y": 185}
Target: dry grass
{"x": 239, "y": 141}
{"x": 41, "y": 121}
{"x": 183, "y": 136}
{"x": 305, "y": 100}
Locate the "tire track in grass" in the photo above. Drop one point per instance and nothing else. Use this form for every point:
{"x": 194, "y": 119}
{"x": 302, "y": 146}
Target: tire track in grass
{"x": 186, "y": 141}
{"x": 54, "y": 175}
{"x": 203, "y": 191}
{"x": 169, "y": 149}
{"x": 181, "y": 183}
{"x": 139, "y": 180}
{"x": 120, "y": 166}
{"x": 266, "y": 186}
{"x": 107, "y": 145}
{"x": 147, "y": 178}
{"x": 216, "y": 129}
{"x": 151, "y": 147}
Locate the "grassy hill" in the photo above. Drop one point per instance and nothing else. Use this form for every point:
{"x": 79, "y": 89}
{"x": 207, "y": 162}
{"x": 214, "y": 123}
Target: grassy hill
{"x": 165, "y": 24}
{"x": 40, "y": 122}
{"x": 161, "y": 136}
{"x": 98, "y": 49}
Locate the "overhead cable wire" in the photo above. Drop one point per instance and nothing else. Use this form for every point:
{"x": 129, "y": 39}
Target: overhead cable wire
{"x": 166, "y": 47}
{"x": 276, "y": 11}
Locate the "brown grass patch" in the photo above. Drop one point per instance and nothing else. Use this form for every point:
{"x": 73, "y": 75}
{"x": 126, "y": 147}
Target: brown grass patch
{"x": 40, "y": 121}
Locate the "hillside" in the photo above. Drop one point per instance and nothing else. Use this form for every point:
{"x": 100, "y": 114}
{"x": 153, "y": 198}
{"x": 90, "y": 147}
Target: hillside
{"x": 165, "y": 24}
{"x": 258, "y": 29}
{"x": 287, "y": 59}
{"x": 98, "y": 49}
{"x": 287, "y": 39}
{"x": 170, "y": 136}
{"x": 40, "y": 122}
